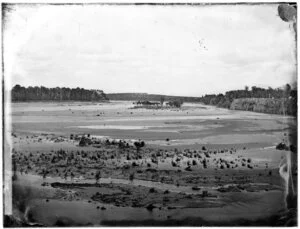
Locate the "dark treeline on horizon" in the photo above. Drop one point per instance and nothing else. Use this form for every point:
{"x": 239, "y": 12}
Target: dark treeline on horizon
{"x": 22, "y": 94}
{"x": 224, "y": 100}
{"x": 285, "y": 94}
{"x": 150, "y": 97}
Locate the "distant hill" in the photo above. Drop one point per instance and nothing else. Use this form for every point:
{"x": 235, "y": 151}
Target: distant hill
{"x": 150, "y": 97}
{"x": 23, "y": 94}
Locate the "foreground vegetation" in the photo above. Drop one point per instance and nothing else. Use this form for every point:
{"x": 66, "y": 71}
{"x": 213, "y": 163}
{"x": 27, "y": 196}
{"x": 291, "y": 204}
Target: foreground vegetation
{"x": 117, "y": 173}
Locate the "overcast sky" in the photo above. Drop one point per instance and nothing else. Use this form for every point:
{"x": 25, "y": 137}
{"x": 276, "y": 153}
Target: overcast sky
{"x": 174, "y": 50}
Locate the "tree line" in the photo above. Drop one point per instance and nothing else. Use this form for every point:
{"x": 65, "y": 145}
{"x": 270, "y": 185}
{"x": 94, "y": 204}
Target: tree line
{"x": 150, "y": 97}
{"x": 22, "y": 94}
{"x": 285, "y": 94}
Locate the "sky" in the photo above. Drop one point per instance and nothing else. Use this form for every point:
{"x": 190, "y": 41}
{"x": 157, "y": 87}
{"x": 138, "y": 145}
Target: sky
{"x": 171, "y": 50}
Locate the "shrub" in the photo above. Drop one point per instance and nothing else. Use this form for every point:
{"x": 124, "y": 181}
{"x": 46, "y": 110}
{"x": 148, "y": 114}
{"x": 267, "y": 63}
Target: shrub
{"x": 152, "y": 190}
{"x": 282, "y": 146}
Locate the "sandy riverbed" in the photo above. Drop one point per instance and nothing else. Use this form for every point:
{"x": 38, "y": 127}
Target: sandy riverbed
{"x": 212, "y": 165}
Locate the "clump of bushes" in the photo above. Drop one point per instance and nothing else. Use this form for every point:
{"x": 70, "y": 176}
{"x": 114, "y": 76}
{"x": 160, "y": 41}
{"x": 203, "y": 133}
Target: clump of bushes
{"x": 282, "y": 146}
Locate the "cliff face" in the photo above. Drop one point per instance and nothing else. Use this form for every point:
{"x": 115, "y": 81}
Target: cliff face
{"x": 284, "y": 106}
{"x": 19, "y": 94}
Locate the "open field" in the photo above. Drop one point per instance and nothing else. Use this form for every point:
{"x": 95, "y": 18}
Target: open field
{"x": 200, "y": 165}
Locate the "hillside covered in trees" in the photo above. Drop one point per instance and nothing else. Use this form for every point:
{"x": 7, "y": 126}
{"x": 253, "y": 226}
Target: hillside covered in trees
{"x": 274, "y": 101}
{"x": 150, "y": 97}
{"x": 23, "y": 94}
